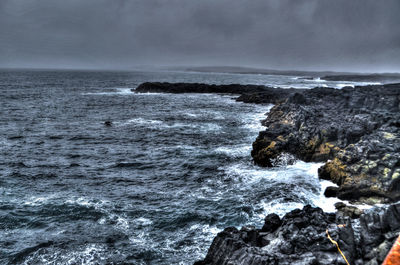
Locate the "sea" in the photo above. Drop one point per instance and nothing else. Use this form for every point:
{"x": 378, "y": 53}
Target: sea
{"x": 171, "y": 172}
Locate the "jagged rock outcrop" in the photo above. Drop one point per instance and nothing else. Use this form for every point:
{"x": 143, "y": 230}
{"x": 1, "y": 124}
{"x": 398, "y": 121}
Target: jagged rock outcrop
{"x": 248, "y": 93}
{"x": 356, "y": 130}
{"x": 300, "y": 238}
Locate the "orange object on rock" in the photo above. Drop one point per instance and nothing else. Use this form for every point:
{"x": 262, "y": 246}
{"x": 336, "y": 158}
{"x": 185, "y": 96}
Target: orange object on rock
{"x": 393, "y": 257}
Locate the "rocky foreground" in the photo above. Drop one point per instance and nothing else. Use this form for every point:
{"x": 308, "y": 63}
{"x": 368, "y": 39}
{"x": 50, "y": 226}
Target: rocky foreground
{"x": 301, "y": 237}
{"x": 356, "y": 133}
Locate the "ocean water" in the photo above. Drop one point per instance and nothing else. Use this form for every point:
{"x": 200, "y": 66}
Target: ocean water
{"x": 154, "y": 188}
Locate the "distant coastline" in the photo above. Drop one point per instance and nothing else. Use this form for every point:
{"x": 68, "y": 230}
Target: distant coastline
{"x": 324, "y": 75}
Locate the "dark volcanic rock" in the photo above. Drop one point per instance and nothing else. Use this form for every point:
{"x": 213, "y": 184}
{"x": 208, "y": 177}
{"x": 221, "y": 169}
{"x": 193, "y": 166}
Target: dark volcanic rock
{"x": 355, "y": 129}
{"x": 301, "y": 238}
{"x": 248, "y": 93}
{"x": 346, "y": 210}
{"x": 272, "y": 222}
{"x": 331, "y": 191}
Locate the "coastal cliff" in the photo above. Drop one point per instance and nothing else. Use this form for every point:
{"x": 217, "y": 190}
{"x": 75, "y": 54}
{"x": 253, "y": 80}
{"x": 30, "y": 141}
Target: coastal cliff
{"x": 355, "y": 130}
{"x": 355, "y": 133}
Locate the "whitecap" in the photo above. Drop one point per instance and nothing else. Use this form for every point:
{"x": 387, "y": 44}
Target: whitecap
{"x": 139, "y": 239}
{"x": 191, "y": 115}
{"x": 234, "y": 151}
{"x": 344, "y": 85}
{"x": 141, "y": 121}
{"x": 318, "y": 80}
{"x": 210, "y": 127}
{"x": 115, "y": 91}
{"x": 35, "y": 201}
{"x": 97, "y": 204}
{"x": 90, "y": 254}
{"x": 143, "y": 221}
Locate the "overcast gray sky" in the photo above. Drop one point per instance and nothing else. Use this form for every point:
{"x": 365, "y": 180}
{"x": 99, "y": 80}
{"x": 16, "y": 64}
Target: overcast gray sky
{"x": 356, "y": 35}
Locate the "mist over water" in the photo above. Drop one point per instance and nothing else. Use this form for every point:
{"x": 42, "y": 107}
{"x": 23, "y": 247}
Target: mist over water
{"x": 154, "y": 188}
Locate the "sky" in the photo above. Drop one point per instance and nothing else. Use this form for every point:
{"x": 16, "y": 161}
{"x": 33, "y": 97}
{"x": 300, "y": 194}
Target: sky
{"x": 341, "y": 35}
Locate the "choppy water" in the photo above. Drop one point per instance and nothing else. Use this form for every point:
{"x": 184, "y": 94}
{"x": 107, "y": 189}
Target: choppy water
{"x": 154, "y": 188}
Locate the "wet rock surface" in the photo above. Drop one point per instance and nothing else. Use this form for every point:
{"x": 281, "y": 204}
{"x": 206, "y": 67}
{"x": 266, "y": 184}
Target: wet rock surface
{"x": 300, "y": 237}
{"x": 356, "y": 130}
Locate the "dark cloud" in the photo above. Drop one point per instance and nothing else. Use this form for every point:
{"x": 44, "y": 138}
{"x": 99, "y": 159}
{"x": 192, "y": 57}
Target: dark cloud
{"x": 361, "y": 35}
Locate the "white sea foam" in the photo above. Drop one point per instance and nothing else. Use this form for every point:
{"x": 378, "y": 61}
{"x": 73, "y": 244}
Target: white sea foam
{"x": 91, "y": 254}
{"x": 248, "y": 173}
{"x": 34, "y": 201}
{"x": 39, "y": 200}
{"x": 191, "y": 115}
{"x": 143, "y": 221}
{"x": 139, "y": 238}
{"x": 278, "y": 207}
{"x": 205, "y": 229}
{"x": 141, "y": 121}
{"x": 300, "y": 172}
{"x": 318, "y": 199}
{"x": 344, "y": 85}
{"x": 253, "y": 121}
{"x": 318, "y": 80}
{"x": 235, "y": 151}
{"x": 121, "y": 222}
{"x": 204, "y": 127}
{"x": 157, "y": 124}
{"x": 150, "y": 94}
{"x": 114, "y": 91}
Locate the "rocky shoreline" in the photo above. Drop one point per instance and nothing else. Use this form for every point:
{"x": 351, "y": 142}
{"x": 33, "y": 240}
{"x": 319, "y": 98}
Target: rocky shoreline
{"x": 355, "y": 132}
{"x": 301, "y": 237}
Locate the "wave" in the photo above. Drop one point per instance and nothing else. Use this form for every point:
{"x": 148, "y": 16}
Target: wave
{"x": 38, "y": 200}
{"x": 158, "y": 125}
{"x": 234, "y": 151}
{"x": 143, "y": 221}
{"x": 113, "y": 91}
{"x": 119, "y": 221}
{"x": 141, "y": 121}
{"x": 89, "y": 253}
{"x": 302, "y": 176}
{"x": 27, "y": 251}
